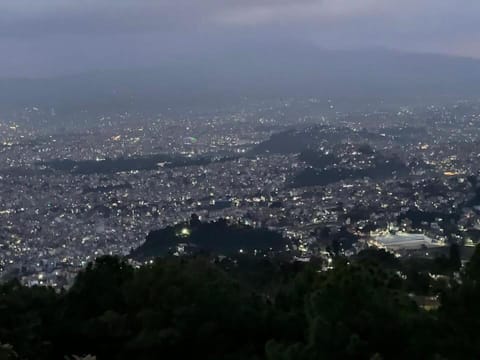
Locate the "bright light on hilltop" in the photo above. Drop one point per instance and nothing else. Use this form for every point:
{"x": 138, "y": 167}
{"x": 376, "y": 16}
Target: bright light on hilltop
{"x": 185, "y": 232}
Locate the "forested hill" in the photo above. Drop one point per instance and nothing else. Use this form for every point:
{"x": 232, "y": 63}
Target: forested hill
{"x": 218, "y": 237}
{"x": 374, "y": 306}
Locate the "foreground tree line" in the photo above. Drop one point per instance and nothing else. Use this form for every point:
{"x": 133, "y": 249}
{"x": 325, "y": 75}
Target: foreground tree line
{"x": 248, "y": 308}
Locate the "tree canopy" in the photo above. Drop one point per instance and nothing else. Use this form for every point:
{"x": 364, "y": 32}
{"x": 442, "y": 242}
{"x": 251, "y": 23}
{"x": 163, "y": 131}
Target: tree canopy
{"x": 245, "y": 308}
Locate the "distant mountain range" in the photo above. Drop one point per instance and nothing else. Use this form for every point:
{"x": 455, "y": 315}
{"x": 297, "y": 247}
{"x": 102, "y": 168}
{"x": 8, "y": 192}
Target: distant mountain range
{"x": 226, "y": 76}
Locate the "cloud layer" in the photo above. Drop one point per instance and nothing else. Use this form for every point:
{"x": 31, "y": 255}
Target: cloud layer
{"x": 41, "y": 37}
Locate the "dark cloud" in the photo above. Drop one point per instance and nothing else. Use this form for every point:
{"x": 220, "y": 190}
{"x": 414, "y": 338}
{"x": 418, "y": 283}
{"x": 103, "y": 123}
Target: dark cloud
{"x": 48, "y": 36}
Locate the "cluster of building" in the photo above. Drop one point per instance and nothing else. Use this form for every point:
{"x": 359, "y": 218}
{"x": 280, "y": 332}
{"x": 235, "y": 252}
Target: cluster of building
{"x": 53, "y": 222}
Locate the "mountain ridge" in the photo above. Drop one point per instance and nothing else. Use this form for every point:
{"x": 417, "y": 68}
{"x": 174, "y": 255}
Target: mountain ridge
{"x": 218, "y": 77}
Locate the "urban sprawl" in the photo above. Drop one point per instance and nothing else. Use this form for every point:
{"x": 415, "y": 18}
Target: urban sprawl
{"x": 402, "y": 179}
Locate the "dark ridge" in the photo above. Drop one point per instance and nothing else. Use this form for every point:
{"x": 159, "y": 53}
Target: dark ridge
{"x": 217, "y": 237}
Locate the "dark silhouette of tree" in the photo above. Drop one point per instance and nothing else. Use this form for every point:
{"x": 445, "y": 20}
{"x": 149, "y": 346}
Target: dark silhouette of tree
{"x": 247, "y": 307}
{"x": 195, "y": 221}
{"x": 454, "y": 257}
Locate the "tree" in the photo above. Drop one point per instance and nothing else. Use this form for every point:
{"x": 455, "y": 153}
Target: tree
{"x": 7, "y": 352}
{"x": 455, "y": 259}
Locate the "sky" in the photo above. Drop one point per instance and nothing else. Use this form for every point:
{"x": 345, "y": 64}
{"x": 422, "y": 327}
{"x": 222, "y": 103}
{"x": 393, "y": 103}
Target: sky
{"x": 41, "y": 38}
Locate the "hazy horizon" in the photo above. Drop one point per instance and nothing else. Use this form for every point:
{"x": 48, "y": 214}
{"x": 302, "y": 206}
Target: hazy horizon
{"x": 158, "y": 65}
{"x": 51, "y": 38}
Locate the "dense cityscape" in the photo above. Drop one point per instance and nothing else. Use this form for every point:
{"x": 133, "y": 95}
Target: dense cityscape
{"x": 329, "y": 181}
{"x": 239, "y": 180}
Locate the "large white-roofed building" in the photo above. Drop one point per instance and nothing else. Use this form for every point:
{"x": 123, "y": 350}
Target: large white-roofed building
{"x": 403, "y": 241}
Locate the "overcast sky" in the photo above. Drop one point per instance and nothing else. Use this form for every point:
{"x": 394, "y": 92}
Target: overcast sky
{"x": 50, "y": 37}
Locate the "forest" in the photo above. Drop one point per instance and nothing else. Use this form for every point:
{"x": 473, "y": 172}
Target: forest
{"x": 372, "y": 306}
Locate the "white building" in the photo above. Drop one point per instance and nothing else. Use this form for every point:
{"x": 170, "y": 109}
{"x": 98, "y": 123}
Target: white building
{"x": 403, "y": 241}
